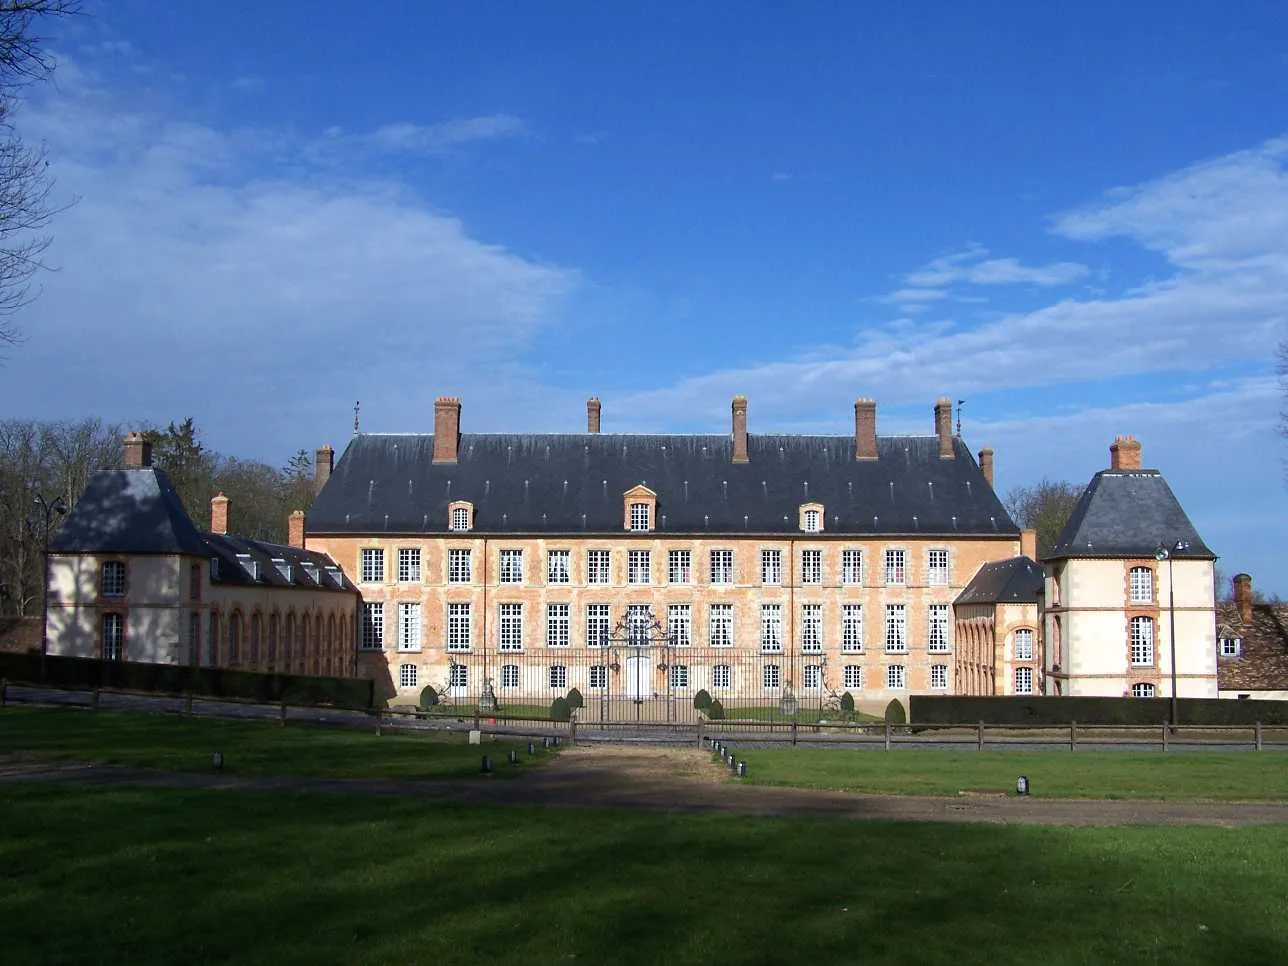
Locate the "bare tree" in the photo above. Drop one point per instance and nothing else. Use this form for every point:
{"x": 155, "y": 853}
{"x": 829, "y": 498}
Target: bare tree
{"x": 1046, "y": 507}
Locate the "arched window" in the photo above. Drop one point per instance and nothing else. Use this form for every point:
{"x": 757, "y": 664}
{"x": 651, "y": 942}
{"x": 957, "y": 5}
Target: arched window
{"x": 255, "y": 627}
{"x": 1143, "y": 690}
{"x": 113, "y": 637}
{"x": 215, "y": 638}
{"x": 270, "y": 657}
{"x": 1142, "y": 642}
{"x": 234, "y": 637}
{"x": 1141, "y": 580}
{"x": 288, "y": 641}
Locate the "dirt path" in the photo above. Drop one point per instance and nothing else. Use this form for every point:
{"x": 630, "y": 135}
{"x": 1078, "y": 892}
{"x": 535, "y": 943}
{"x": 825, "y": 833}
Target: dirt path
{"x": 686, "y": 780}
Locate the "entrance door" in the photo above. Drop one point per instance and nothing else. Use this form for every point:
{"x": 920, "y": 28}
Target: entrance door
{"x": 638, "y": 677}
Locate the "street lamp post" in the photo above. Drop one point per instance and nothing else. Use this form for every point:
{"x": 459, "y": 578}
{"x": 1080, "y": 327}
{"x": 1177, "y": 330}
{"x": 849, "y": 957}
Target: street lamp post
{"x": 1166, "y": 553}
{"x": 50, "y": 510}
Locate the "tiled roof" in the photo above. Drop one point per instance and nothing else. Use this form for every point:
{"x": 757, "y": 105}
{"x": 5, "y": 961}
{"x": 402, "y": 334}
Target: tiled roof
{"x": 1262, "y": 664}
{"x": 1017, "y": 580}
{"x": 303, "y": 568}
{"x": 1128, "y": 513}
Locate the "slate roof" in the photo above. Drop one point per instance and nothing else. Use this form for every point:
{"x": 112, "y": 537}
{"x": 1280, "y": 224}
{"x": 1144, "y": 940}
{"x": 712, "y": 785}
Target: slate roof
{"x": 573, "y": 483}
{"x": 1018, "y": 580}
{"x": 1128, "y": 513}
{"x": 1262, "y": 664}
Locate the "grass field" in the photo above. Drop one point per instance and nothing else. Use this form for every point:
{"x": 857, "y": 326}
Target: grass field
{"x": 1230, "y": 776}
{"x": 180, "y": 743}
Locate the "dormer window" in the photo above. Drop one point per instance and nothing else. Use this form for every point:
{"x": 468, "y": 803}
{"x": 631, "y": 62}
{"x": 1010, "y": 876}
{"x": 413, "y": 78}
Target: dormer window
{"x": 283, "y": 567}
{"x": 460, "y": 516}
{"x": 1231, "y": 646}
{"x": 334, "y": 573}
{"x": 639, "y": 516}
{"x": 249, "y": 564}
{"x": 312, "y": 570}
{"x": 811, "y": 518}
{"x": 640, "y": 509}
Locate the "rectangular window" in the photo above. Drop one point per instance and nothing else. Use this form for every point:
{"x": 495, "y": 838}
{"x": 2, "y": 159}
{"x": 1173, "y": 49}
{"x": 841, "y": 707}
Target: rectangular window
{"x": 679, "y": 675}
{"x": 721, "y": 676}
{"x": 114, "y": 638}
{"x": 558, "y": 676}
{"x": 937, "y": 568}
{"x": 1024, "y": 680}
{"x": 771, "y": 676}
{"x": 1024, "y": 645}
{"x": 679, "y": 566}
{"x": 639, "y": 516}
{"x": 509, "y": 675}
{"x": 406, "y": 675}
{"x": 639, "y": 567}
{"x": 373, "y": 566}
{"x": 813, "y": 677}
{"x": 812, "y": 521}
{"x": 408, "y": 627}
{"x": 812, "y": 628}
{"x": 459, "y": 631}
{"x": 720, "y": 617}
{"x": 558, "y": 566}
{"x": 852, "y": 676}
{"x": 679, "y": 624}
{"x": 1142, "y": 585}
{"x": 938, "y": 629}
{"x": 938, "y": 676}
{"x": 458, "y": 676}
{"x": 373, "y": 626}
{"x": 721, "y": 566}
{"x": 639, "y": 627}
{"x": 896, "y": 676}
{"x": 557, "y": 625}
{"x": 852, "y": 628}
{"x": 459, "y": 570}
{"x": 771, "y": 566}
{"x": 1230, "y": 646}
{"x": 597, "y": 625}
{"x": 409, "y": 565}
{"x": 771, "y": 627}
{"x": 113, "y": 579}
{"x": 851, "y": 566}
{"x": 811, "y": 566}
{"x": 597, "y": 567}
{"x": 511, "y": 567}
{"x": 598, "y": 677}
{"x": 511, "y": 637}
{"x": 894, "y": 566}
{"x": 1142, "y": 642}
{"x": 460, "y": 518}
{"x": 896, "y": 628}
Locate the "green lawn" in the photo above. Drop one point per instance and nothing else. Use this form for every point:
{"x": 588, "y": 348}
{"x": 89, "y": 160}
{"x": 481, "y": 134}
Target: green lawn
{"x": 166, "y": 876}
{"x": 181, "y": 743}
{"x": 1052, "y": 774}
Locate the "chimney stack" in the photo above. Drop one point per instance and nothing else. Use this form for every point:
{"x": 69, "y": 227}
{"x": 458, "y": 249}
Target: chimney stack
{"x": 865, "y": 429}
{"x": 1124, "y": 454}
{"x": 1029, "y": 543}
{"x": 592, "y": 414}
{"x": 323, "y": 463}
{"x": 138, "y": 451}
{"x": 219, "y": 514}
{"x": 295, "y": 530}
{"x": 986, "y": 464}
{"x": 1243, "y": 597}
{"x": 447, "y": 429}
{"x": 740, "y": 430}
{"x": 944, "y": 427}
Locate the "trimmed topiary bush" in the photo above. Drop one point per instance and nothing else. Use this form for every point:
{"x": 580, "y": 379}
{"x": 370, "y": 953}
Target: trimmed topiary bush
{"x": 428, "y": 697}
{"x": 702, "y": 700}
{"x": 560, "y": 710}
{"x": 847, "y": 703}
{"x": 575, "y": 700}
{"x": 894, "y": 713}
{"x": 716, "y": 711}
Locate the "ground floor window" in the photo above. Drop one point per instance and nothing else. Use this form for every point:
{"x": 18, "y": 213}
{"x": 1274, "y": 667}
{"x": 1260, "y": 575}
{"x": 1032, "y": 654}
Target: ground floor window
{"x": 771, "y": 676}
{"x": 1024, "y": 680}
{"x": 113, "y": 637}
{"x": 939, "y": 676}
{"x": 813, "y": 675}
{"x": 509, "y": 675}
{"x": 721, "y": 676}
{"x": 896, "y": 676}
{"x": 407, "y": 676}
{"x": 852, "y": 676}
{"x": 679, "y": 675}
{"x": 558, "y": 676}
{"x": 598, "y": 677}
{"x": 1143, "y": 691}
{"x": 458, "y": 676}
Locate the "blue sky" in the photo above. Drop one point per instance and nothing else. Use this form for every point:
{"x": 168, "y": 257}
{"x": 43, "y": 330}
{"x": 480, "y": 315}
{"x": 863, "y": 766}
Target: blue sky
{"x": 1076, "y": 219}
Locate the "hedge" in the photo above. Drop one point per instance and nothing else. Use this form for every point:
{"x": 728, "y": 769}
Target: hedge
{"x": 1052, "y": 710}
{"x": 79, "y": 673}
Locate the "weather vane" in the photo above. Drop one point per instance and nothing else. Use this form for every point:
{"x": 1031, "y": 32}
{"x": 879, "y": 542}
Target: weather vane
{"x": 960, "y": 403}
{"x": 356, "y": 407}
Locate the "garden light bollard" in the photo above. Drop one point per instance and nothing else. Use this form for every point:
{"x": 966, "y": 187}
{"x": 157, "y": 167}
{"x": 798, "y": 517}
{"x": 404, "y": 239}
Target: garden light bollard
{"x": 1022, "y": 785}
{"x": 742, "y": 769}
{"x": 532, "y": 747}
{"x": 486, "y": 768}
{"x": 514, "y": 757}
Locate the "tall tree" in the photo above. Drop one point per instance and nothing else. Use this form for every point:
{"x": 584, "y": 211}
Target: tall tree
{"x": 297, "y": 482}
{"x": 178, "y": 451}
{"x": 1044, "y": 507}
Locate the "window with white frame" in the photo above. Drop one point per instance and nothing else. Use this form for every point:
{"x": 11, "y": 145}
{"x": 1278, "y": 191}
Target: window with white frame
{"x": 406, "y": 675}
{"x": 458, "y": 676}
{"x": 812, "y": 628}
{"x": 558, "y": 566}
{"x": 373, "y": 627}
{"x": 852, "y": 628}
{"x": 598, "y": 677}
{"x": 896, "y": 628}
{"x": 1231, "y": 646}
{"x": 720, "y": 620}
{"x": 558, "y": 676}
{"x": 459, "y": 630}
{"x": 721, "y": 563}
{"x": 812, "y": 521}
{"x": 511, "y": 566}
{"x": 679, "y": 675}
{"x": 896, "y": 676}
{"x": 679, "y": 566}
{"x": 938, "y": 641}
{"x": 509, "y": 675}
{"x": 813, "y": 679}
{"x": 895, "y": 571}
{"x": 597, "y": 625}
{"x": 771, "y": 566}
{"x": 1141, "y": 580}
{"x": 114, "y": 638}
{"x": 771, "y": 676}
{"x": 597, "y": 567}
{"x": 460, "y": 518}
{"x": 557, "y": 625}
{"x": 639, "y": 567}
{"x": 771, "y": 627}
{"x": 112, "y": 581}
{"x": 373, "y": 565}
{"x": 409, "y": 565}
{"x": 282, "y": 567}
{"x": 1024, "y": 644}
{"x": 639, "y": 516}
{"x": 937, "y": 567}
{"x": 1143, "y": 690}
{"x": 721, "y": 676}
{"x": 938, "y": 677}
{"x": 511, "y": 634}
{"x": 639, "y": 625}
{"x": 852, "y": 676}
{"x": 1142, "y": 642}
{"x": 408, "y": 626}
{"x": 1024, "y": 680}
{"x": 811, "y": 566}
{"x": 679, "y": 624}
{"x": 459, "y": 570}
{"x": 852, "y": 566}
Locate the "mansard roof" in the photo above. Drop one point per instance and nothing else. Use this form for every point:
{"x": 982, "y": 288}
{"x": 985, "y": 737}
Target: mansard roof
{"x": 1128, "y": 513}
{"x": 128, "y": 511}
{"x": 574, "y": 483}
{"x": 1018, "y": 580}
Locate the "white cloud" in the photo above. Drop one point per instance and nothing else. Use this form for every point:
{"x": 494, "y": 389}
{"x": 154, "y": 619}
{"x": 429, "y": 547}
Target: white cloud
{"x": 972, "y": 267}
{"x": 440, "y": 137}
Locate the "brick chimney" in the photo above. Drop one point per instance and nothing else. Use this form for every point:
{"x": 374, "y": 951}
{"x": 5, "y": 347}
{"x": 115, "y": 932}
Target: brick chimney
{"x": 295, "y": 529}
{"x": 219, "y": 514}
{"x": 447, "y": 429}
{"x": 1243, "y": 597}
{"x": 323, "y": 463}
{"x": 986, "y": 464}
{"x": 944, "y": 427}
{"x": 592, "y": 414}
{"x": 1029, "y": 543}
{"x": 138, "y": 451}
{"x": 1124, "y": 454}
{"x": 740, "y": 430}
{"x": 865, "y": 429}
